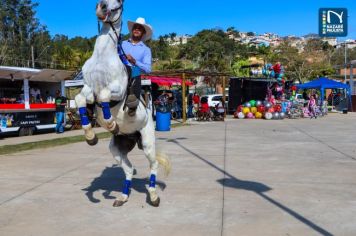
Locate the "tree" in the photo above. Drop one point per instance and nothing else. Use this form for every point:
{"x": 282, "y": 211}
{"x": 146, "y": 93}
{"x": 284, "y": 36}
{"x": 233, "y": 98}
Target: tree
{"x": 238, "y": 69}
{"x": 212, "y": 49}
{"x": 20, "y": 29}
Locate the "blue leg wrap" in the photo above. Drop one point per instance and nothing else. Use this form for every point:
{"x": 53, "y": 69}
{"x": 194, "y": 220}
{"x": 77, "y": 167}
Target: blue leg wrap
{"x": 153, "y": 181}
{"x": 127, "y": 186}
{"x": 106, "y": 110}
{"x": 83, "y": 115}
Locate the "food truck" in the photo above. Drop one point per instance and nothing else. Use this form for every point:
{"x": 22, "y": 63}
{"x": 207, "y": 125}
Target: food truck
{"x": 27, "y": 98}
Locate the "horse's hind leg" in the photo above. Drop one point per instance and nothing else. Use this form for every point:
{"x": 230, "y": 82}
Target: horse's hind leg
{"x": 148, "y": 146}
{"x": 104, "y": 97}
{"x": 81, "y": 100}
{"x": 120, "y": 146}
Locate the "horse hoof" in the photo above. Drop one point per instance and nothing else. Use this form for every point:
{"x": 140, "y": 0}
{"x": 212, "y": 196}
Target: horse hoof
{"x": 118, "y": 203}
{"x": 92, "y": 142}
{"x": 156, "y": 202}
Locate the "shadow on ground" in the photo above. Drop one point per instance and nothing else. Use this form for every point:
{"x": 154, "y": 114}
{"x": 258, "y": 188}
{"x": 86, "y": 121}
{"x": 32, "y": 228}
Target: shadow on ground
{"x": 111, "y": 180}
{"x": 260, "y": 189}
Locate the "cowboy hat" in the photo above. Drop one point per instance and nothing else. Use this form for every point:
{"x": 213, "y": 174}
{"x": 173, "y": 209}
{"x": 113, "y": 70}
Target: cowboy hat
{"x": 141, "y": 21}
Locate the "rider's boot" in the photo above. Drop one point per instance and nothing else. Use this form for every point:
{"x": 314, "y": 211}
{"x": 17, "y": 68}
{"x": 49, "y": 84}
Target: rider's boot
{"x": 134, "y": 95}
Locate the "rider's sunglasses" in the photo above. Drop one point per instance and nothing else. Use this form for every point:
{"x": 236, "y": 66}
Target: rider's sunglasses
{"x": 139, "y": 27}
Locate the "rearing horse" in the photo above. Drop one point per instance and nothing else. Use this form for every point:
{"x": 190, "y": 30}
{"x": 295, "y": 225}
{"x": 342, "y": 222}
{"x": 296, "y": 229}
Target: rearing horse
{"x": 105, "y": 83}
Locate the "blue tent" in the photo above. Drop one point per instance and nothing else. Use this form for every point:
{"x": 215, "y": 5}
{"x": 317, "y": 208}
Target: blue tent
{"x": 324, "y": 83}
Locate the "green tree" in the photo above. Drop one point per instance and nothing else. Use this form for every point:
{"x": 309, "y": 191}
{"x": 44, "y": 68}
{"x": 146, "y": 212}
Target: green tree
{"x": 21, "y": 30}
{"x": 238, "y": 69}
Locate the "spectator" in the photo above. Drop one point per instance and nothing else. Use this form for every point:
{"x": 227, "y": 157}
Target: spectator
{"x": 60, "y": 102}
{"x": 312, "y": 106}
{"x": 196, "y": 101}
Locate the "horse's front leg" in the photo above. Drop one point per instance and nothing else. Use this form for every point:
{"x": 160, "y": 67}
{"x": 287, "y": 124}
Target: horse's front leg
{"x": 86, "y": 95}
{"x": 104, "y": 98}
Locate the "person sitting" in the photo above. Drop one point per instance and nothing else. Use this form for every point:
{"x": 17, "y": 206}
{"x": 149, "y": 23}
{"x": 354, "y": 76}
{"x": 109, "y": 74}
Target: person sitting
{"x": 138, "y": 58}
{"x": 204, "y": 110}
{"x": 220, "y": 108}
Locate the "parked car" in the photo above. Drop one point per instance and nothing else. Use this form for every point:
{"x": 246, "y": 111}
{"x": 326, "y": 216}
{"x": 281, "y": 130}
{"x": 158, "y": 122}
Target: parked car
{"x": 214, "y": 99}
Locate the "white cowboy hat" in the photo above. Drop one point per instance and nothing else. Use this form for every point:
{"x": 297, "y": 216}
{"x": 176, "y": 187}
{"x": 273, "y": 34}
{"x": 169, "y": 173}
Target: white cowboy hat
{"x": 141, "y": 21}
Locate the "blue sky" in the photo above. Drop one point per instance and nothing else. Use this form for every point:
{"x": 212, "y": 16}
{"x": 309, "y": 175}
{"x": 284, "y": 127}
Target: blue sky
{"x": 287, "y": 17}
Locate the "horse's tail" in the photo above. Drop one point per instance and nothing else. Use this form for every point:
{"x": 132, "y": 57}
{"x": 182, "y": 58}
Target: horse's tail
{"x": 164, "y": 161}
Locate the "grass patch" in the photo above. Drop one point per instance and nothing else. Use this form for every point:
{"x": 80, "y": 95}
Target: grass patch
{"x": 9, "y": 149}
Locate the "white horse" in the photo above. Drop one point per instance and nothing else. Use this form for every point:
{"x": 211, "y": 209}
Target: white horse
{"x": 105, "y": 83}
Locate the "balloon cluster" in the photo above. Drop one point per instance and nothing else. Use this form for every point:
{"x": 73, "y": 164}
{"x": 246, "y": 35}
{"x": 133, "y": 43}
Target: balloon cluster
{"x": 274, "y": 71}
{"x": 258, "y": 109}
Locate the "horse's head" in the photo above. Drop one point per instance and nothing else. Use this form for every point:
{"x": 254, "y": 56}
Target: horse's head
{"x": 109, "y": 11}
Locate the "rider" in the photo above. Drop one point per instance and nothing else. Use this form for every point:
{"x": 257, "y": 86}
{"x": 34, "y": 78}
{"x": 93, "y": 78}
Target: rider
{"x": 139, "y": 57}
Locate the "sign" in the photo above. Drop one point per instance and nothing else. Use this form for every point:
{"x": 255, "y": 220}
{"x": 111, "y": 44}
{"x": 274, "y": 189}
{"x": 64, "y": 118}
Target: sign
{"x": 332, "y": 22}
{"x": 26, "y": 119}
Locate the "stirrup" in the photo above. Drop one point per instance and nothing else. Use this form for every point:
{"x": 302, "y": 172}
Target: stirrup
{"x": 132, "y": 101}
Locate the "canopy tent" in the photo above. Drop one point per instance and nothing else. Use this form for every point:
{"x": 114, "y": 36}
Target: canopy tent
{"x": 166, "y": 81}
{"x": 159, "y": 80}
{"x": 43, "y": 75}
{"x": 324, "y": 83}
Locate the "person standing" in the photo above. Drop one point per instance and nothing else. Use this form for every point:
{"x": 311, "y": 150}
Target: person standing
{"x": 61, "y": 103}
{"x": 139, "y": 59}
{"x": 196, "y": 102}
{"x": 312, "y": 106}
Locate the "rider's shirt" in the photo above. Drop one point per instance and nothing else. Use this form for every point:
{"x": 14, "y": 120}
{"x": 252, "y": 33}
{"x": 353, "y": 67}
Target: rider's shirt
{"x": 140, "y": 52}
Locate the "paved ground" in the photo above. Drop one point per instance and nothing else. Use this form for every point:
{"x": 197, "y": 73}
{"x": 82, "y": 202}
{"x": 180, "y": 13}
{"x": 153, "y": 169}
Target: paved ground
{"x": 241, "y": 177}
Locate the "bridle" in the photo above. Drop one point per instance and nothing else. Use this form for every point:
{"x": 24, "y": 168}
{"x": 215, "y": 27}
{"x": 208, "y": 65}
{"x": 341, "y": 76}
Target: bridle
{"x": 112, "y": 11}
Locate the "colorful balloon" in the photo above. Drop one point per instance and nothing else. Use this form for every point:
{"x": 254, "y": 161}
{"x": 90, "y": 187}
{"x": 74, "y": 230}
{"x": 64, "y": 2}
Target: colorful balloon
{"x": 241, "y": 115}
{"x": 258, "y": 115}
{"x": 245, "y": 110}
{"x": 253, "y": 110}
{"x": 247, "y": 104}
{"x": 261, "y": 109}
{"x": 259, "y": 103}
{"x": 249, "y": 115}
{"x": 253, "y": 103}
{"x": 275, "y": 116}
{"x": 268, "y": 115}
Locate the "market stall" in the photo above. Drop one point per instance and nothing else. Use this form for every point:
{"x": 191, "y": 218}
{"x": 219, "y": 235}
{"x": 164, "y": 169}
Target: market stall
{"x": 27, "y": 98}
{"x": 324, "y": 83}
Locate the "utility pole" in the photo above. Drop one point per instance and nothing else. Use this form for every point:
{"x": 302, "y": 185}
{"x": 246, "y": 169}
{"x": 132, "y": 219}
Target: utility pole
{"x": 33, "y": 57}
{"x": 184, "y": 113}
{"x": 345, "y": 62}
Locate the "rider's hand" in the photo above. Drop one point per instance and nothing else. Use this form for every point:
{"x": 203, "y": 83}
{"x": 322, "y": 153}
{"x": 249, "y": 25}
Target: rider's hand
{"x": 131, "y": 59}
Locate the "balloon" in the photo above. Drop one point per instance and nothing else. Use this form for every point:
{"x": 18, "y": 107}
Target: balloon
{"x": 253, "y": 110}
{"x": 239, "y": 108}
{"x": 240, "y": 115}
{"x": 275, "y": 116}
{"x": 271, "y": 110}
{"x": 245, "y": 110}
{"x": 268, "y": 115}
{"x": 253, "y": 103}
{"x": 258, "y": 103}
{"x": 247, "y": 104}
{"x": 278, "y": 108}
{"x": 268, "y": 105}
{"x": 261, "y": 109}
{"x": 282, "y": 115}
{"x": 250, "y": 115}
{"x": 258, "y": 115}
